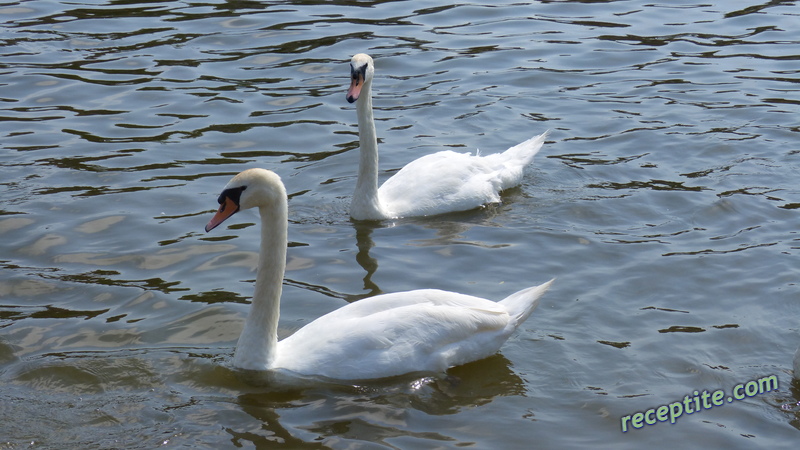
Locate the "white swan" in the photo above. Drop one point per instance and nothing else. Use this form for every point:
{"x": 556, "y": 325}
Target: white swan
{"x": 434, "y": 184}
{"x": 385, "y": 335}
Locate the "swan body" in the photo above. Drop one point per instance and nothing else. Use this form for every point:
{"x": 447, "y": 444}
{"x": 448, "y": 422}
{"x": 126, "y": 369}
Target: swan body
{"x": 442, "y": 182}
{"x": 386, "y": 335}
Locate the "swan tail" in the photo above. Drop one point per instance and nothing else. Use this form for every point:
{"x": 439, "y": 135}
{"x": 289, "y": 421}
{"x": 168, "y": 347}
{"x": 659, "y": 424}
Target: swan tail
{"x": 510, "y": 164}
{"x": 524, "y": 152}
{"x": 521, "y": 304}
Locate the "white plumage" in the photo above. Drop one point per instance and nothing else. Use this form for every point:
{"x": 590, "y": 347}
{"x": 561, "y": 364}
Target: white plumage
{"x": 442, "y": 182}
{"x": 386, "y": 335}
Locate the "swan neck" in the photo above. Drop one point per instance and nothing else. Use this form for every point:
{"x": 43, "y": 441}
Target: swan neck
{"x": 258, "y": 342}
{"x": 366, "y": 204}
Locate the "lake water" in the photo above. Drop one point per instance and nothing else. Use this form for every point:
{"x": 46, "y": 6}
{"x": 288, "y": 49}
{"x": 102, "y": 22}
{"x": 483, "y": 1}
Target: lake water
{"x": 665, "y": 202}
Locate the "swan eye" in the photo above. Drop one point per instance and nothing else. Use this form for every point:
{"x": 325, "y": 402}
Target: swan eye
{"x": 233, "y": 193}
{"x": 358, "y": 75}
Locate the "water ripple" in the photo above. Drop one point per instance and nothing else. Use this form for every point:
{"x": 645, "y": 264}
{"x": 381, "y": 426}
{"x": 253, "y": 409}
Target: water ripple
{"x": 668, "y": 186}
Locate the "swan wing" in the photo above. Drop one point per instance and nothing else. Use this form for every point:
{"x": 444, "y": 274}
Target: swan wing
{"x": 438, "y": 183}
{"x": 393, "y": 334}
{"x": 449, "y": 181}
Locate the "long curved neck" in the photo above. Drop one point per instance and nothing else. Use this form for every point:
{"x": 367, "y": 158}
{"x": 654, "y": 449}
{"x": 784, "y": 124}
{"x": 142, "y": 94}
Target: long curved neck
{"x": 365, "y": 203}
{"x": 259, "y": 339}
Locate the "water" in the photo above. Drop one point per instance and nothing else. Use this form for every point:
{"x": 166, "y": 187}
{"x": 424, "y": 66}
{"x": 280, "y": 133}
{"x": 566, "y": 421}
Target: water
{"x": 665, "y": 202}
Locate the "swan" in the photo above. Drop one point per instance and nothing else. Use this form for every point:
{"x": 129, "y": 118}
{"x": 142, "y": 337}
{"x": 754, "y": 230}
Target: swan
{"x": 442, "y": 182}
{"x": 382, "y": 336}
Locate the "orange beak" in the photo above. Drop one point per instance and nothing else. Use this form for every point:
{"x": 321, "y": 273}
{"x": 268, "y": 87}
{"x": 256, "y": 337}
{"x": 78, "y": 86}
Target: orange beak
{"x": 226, "y": 209}
{"x": 355, "y": 87}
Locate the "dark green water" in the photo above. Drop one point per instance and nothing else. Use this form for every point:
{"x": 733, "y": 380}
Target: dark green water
{"x": 665, "y": 202}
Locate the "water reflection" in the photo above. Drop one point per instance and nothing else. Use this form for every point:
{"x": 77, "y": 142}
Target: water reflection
{"x": 194, "y": 385}
{"x": 672, "y": 183}
{"x": 378, "y": 411}
{"x": 449, "y": 229}
{"x": 364, "y": 243}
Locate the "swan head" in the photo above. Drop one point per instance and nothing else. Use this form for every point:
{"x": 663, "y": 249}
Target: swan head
{"x": 361, "y": 71}
{"x": 249, "y": 189}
